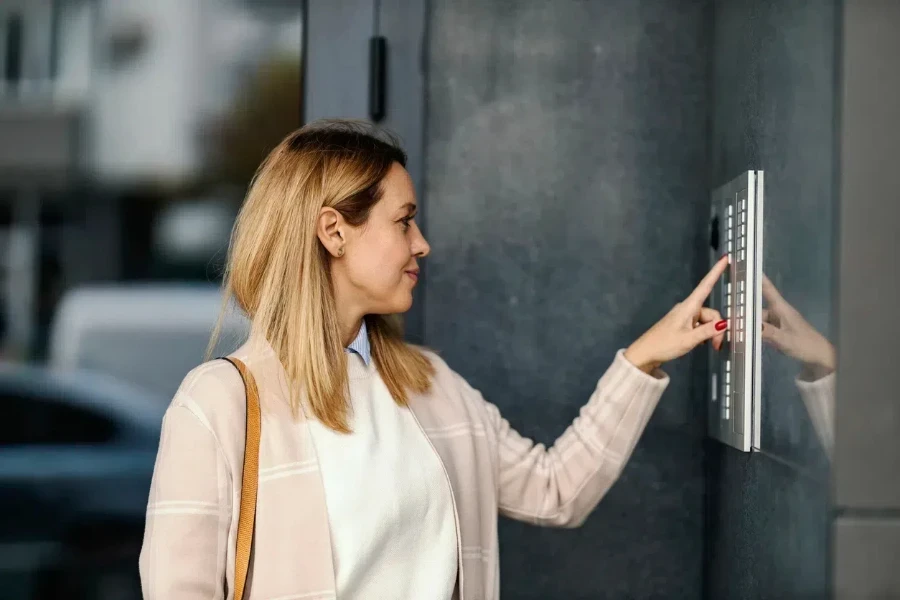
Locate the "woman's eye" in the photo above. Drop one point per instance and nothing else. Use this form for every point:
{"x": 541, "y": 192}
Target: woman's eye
{"x": 406, "y": 223}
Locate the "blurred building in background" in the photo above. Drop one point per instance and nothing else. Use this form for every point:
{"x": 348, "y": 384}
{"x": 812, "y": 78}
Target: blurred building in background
{"x": 128, "y": 132}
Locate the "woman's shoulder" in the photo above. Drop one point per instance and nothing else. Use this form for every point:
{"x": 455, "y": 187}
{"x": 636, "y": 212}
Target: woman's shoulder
{"x": 441, "y": 368}
{"x": 214, "y": 392}
{"x": 444, "y": 376}
{"x": 211, "y": 381}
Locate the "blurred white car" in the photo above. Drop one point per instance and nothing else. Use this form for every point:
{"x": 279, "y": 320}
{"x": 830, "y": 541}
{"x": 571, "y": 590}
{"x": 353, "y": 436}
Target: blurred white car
{"x": 150, "y": 335}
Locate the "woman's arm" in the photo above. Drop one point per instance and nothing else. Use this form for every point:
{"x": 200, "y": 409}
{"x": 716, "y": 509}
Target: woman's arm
{"x": 188, "y": 513}
{"x": 560, "y": 486}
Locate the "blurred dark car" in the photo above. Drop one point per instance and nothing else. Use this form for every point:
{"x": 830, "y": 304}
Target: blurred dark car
{"x": 76, "y": 457}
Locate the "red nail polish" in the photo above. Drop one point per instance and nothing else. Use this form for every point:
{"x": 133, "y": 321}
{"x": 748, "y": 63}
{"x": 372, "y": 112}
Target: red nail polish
{"x": 721, "y": 325}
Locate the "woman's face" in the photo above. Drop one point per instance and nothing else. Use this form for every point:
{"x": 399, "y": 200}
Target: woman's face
{"x": 379, "y": 269}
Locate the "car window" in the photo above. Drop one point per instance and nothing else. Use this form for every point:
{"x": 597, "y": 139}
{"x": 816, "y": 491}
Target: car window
{"x": 36, "y": 421}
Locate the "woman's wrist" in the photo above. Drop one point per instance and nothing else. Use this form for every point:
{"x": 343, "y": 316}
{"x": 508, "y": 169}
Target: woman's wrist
{"x": 823, "y": 365}
{"x": 636, "y": 356}
{"x": 829, "y": 360}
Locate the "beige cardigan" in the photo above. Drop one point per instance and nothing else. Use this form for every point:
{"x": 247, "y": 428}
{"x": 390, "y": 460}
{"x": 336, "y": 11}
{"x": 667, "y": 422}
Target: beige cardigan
{"x": 188, "y": 550}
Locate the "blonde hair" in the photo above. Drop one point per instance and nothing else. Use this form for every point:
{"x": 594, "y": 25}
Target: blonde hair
{"x": 278, "y": 272}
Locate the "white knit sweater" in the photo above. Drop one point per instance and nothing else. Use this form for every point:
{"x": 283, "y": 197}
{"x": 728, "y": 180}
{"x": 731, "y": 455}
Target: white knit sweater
{"x": 390, "y": 509}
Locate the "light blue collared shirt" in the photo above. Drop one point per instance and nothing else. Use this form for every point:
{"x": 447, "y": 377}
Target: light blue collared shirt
{"x": 360, "y": 345}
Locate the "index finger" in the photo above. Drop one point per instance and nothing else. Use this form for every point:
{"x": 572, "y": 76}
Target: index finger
{"x": 770, "y": 292}
{"x": 775, "y": 299}
{"x": 705, "y": 288}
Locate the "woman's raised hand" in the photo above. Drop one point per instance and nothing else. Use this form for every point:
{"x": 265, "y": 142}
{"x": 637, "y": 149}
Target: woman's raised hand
{"x": 685, "y": 327}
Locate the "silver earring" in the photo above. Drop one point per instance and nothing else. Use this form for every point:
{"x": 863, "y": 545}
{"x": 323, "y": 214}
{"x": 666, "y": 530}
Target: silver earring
{"x": 340, "y": 251}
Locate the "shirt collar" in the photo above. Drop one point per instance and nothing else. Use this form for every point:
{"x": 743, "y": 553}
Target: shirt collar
{"x": 361, "y": 344}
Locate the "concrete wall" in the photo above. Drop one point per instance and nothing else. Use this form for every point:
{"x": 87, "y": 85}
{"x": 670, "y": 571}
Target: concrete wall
{"x": 866, "y": 486}
{"x": 565, "y": 188}
{"x": 773, "y": 107}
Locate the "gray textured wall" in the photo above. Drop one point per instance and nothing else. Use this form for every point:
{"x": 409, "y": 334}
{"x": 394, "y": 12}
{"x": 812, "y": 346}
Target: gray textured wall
{"x": 773, "y": 105}
{"x": 566, "y": 187}
{"x": 866, "y": 486}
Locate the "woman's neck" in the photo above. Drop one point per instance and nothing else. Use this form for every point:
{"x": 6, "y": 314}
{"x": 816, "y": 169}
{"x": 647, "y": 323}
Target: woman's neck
{"x": 349, "y": 334}
{"x": 350, "y": 324}
{"x": 349, "y": 314}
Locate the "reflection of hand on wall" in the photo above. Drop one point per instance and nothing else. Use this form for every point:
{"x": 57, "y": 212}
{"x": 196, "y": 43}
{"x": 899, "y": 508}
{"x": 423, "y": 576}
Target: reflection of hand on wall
{"x": 785, "y": 328}
{"x": 791, "y": 334}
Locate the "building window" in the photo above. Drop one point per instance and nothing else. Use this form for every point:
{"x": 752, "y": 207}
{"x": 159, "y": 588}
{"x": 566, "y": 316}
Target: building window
{"x": 26, "y": 44}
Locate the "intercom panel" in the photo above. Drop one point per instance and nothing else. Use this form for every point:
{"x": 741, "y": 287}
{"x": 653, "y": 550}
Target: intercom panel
{"x": 736, "y": 229}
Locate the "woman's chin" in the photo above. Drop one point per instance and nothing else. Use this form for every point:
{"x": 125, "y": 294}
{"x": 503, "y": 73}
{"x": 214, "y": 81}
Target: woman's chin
{"x": 404, "y": 305}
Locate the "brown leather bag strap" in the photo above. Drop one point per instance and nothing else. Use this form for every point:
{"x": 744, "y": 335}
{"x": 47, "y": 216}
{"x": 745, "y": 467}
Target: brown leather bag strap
{"x": 249, "y": 480}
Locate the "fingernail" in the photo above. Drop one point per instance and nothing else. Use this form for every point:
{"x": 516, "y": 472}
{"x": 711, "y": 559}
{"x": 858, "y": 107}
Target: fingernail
{"x": 721, "y": 325}
{"x": 723, "y": 256}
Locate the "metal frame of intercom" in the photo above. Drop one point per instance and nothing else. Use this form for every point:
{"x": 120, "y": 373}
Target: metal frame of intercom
{"x": 735, "y": 406}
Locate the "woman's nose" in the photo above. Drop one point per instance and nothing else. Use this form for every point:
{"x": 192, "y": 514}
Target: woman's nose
{"x": 420, "y": 244}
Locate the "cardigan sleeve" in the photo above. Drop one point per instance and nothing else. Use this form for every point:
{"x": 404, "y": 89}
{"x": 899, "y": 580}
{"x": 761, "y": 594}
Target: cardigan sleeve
{"x": 183, "y": 555}
{"x": 818, "y": 396}
{"x": 560, "y": 486}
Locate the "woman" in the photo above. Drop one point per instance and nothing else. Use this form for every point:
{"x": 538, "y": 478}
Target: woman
{"x": 381, "y": 471}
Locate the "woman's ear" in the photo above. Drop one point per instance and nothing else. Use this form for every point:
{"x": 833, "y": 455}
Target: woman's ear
{"x": 328, "y": 228}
